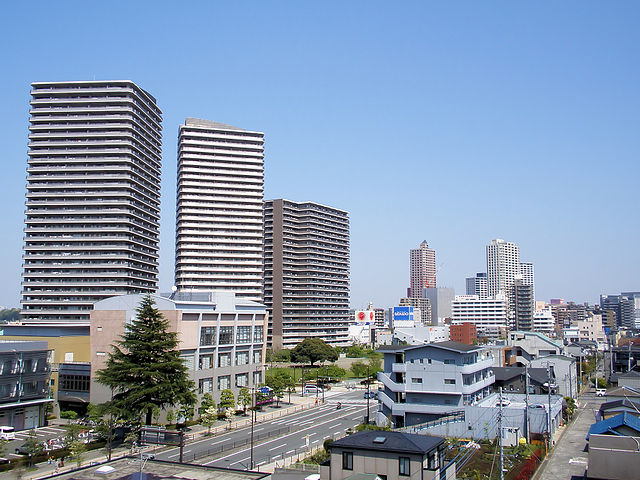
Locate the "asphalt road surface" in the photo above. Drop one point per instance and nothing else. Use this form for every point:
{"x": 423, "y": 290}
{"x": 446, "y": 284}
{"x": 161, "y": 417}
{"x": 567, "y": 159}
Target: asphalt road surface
{"x": 276, "y": 439}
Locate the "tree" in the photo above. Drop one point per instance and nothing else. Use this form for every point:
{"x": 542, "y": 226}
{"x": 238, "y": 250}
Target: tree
{"x": 312, "y": 350}
{"x": 171, "y": 416}
{"x": 205, "y": 402}
{"x": 209, "y": 417}
{"x": 77, "y": 449}
{"x": 32, "y": 447}
{"x": 145, "y": 369}
{"x": 227, "y": 399}
{"x": 244, "y": 399}
{"x": 359, "y": 369}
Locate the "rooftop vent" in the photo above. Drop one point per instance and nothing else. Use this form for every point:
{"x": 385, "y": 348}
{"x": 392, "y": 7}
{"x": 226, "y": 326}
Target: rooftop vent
{"x": 379, "y": 440}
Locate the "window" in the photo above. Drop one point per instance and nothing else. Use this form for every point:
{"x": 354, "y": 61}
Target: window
{"x": 242, "y": 380}
{"x": 206, "y": 385}
{"x": 206, "y": 361}
{"x": 224, "y": 360}
{"x": 208, "y": 336}
{"x": 257, "y": 356}
{"x": 224, "y": 382}
{"x": 431, "y": 462}
{"x": 243, "y": 334}
{"x": 416, "y": 380}
{"x": 242, "y": 358}
{"x": 258, "y": 334}
{"x": 449, "y": 361}
{"x": 449, "y": 381}
{"x": 257, "y": 378}
{"x": 188, "y": 361}
{"x": 347, "y": 460}
{"x": 74, "y": 383}
{"x": 226, "y": 335}
{"x": 403, "y": 466}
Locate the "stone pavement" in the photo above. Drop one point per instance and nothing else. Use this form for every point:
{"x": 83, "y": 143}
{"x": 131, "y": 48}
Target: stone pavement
{"x": 568, "y": 459}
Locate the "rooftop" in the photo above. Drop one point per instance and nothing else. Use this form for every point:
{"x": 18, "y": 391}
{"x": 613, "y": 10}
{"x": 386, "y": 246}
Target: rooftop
{"x": 390, "y": 442}
{"x": 126, "y": 468}
{"x": 454, "y": 346}
{"x": 609, "y": 425}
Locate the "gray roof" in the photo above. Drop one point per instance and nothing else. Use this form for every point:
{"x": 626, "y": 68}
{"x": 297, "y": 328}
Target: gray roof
{"x": 623, "y": 402}
{"x": 538, "y": 375}
{"x": 393, "y": 442}
{"x": 455, "y": 346}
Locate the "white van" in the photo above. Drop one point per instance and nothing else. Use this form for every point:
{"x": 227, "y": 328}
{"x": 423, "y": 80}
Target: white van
{"x": 312, "y": 389}
{"x": 7, "y": 433}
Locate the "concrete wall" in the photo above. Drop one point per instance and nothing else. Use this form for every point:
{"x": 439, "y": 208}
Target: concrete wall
{"x": 613, "y": 457}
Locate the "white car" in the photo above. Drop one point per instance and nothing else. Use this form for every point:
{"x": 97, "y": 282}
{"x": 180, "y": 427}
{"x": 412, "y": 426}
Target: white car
{"x": 312, "y": 389}
{"x": 601, "y": 392}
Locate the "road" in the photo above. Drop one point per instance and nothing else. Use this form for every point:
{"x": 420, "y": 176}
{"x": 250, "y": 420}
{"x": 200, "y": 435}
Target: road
{"x": 568, "y": 459}
{"x": 279, "y": 438}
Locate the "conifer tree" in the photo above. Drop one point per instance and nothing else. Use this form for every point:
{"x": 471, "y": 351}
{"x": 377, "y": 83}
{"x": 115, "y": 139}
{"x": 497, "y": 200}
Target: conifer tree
{"x": 145, "y": 369}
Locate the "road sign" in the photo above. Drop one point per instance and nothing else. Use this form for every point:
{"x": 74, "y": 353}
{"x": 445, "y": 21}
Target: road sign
{"x": 265, "y": 390}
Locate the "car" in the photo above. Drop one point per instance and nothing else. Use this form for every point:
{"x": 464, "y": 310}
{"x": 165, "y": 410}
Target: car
{"x": 537, "y": 405}
{"x": 312, "y": 389}
{"x": 7, "y": 433}
{"x": 369, "y": 394}
{"x": 601, "y": 392}
{"x": 505, "y": 402}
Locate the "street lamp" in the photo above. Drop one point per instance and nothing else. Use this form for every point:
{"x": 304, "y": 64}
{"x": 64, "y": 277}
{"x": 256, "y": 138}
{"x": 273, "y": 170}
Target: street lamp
{"x": 368, "y": 395}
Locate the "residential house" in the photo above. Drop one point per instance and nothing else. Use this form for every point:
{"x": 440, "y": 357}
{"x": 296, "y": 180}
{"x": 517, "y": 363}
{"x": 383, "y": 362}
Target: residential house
{"x": 389, "y": 455}
{"x": 512, "y": 380}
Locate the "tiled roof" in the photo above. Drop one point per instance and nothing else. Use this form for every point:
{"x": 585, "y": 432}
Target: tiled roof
{"x": 393, "y": 442}
{"x": 610, "y": 424}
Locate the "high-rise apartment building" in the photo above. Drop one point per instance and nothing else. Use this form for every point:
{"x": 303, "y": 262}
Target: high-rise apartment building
{"x": 93, "y": 198}
{"x": 306, "y": 272}
{"x": 477, "y": 285}
{"x": 528, "y": 276}
{"x": 523, "y": 305}
{"x": 219, "y": 224}
{"x": 422, "y": 267}
{"x": 503, "y": 264}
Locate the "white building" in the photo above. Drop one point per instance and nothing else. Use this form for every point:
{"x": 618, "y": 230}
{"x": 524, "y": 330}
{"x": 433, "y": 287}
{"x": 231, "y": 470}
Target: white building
{"x": 488, "y": 314}
{"x": 219, "y": 224}
{"x": 477, "y": 285}
{"x": 93, "y": 198}
{"x": 543, "y": 320}
{"x": 503, "y": 264}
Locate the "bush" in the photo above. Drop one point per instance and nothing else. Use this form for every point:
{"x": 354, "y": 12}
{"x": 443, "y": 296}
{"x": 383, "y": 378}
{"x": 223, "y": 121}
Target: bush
{"x": 69, "y": 414}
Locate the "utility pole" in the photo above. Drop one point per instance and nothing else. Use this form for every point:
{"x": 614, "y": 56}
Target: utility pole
{"x": 368, "y": 394}
{"x": 629, "y": 360}
{"x": 549, "y": 399}
{"x": 253, "y": 411}
{"x": 526, "y": 401}
{"x": 500, "y": 436}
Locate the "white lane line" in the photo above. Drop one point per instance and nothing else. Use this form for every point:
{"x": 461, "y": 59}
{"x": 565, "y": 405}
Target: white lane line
{"x": 337, "y": 433}
{"x": 315, "y": 441}
{"x": 336, "y": 425}
{"x": 290, "y": 451}
{"x": 274, "y": 457}
{"x": 279, "y": 446}
{"x": 239, "y": 461}
{"x": 257, "y": 429}
{"x": 261, "y": 464}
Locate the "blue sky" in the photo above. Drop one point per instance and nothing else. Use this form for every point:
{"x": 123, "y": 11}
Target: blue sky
{"x": 454, "y": 122}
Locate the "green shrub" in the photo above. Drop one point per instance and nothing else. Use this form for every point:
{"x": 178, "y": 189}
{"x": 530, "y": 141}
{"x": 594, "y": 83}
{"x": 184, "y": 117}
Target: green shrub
{"x": 69, "y": 414}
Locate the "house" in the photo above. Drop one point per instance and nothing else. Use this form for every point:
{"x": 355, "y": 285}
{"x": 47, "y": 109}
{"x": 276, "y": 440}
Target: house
{"x": 629, "y": 379}
{"x": 613, "y": 457}
{"x": 512, "y": 380}
{"x": 623, "y": 424}
{"x": 389, "y": 455}
{"x": 535, "y": 344}
{"x": 615, "y": 407}
{"x": 425, "y": 382}
{"x": 564, "y": 369}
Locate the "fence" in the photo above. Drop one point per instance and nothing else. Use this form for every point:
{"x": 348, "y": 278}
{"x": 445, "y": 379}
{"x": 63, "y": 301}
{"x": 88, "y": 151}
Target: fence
{"x": 455, "y": 417}
{"x": 528, "y": 467}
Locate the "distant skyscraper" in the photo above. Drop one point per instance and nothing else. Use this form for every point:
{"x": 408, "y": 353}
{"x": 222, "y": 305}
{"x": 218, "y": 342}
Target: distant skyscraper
{"x": 477, "y": 285}
{"x": 440, "y": 299}
{"x": 93, "y": 198}
{"x": 219, "y": 227}
{"x": 422, "y": 269}
{"x": 306, "y": 272}
{"x": 528, "y": 276}
{"x": 523, "y": 304}
{"x": 503, "y": 264}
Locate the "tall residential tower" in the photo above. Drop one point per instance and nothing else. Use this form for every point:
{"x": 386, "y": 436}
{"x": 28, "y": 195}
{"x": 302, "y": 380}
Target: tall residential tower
{"x": 93, "y": 198}
{"x": 503, "y": 264}
{"x": 306, "y": 272}
{"x": 422, "y": 269}
{"x": 219, "y": 225}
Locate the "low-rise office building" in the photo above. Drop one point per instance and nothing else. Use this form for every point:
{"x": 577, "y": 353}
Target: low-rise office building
{"x": 222, "y": 337}
{"x": 489, "y": 315}
{"x": 426, "y": 382}
{"x": 24, "y": 383}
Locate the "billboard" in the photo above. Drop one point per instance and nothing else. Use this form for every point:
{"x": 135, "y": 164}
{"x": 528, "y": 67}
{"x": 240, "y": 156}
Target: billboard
{"x": 402, "y": 313}
{"x": 365, "y": 317}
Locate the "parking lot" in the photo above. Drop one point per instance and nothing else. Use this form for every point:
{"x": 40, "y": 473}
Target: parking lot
{"x": 51, "y": 435}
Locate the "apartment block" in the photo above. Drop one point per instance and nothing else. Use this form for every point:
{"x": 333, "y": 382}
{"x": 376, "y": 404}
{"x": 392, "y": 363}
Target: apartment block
{"x": 422, "y": 269}
{"x": 306, "y": 272}
{"x": 219, "y": 225}
{"x": 489, "y": 315}
{"x": 93, "y": 198}
{"x": 477, "y": 285}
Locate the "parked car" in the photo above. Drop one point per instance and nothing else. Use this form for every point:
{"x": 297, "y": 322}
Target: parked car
{"x": 7, "y": 433}
{"x": 312, "y": 389}
{"x": 601, "y": 392}
{"x": 537, "y": 405}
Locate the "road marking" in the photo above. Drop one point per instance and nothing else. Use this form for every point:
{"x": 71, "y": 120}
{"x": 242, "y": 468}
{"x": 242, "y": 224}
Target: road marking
{"x": 239, "y": 461}
{"x": 279, "y": 446}
{"x": 336, "y": 425}
{"x": 273, "y": 458}
{"x": 290, "y": 451}
{"x": 261, "y": 464}
{"x": 257, "y": 429}
{"x": 315, "y": 441}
